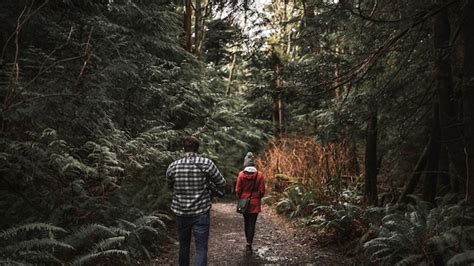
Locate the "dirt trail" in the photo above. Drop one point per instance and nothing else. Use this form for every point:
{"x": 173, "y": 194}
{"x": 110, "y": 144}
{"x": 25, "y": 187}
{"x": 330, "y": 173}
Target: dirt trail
{"x": 275, "y": 242}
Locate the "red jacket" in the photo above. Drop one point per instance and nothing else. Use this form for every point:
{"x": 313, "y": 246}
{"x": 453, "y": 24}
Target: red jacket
{"x": 244, "y": 185}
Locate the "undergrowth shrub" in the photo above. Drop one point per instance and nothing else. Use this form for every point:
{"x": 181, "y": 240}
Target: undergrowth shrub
{"x": 315, "y": 183}
{"x": 326, "y": 169}
{"x": 94, "y": 111}
{"x": 338, "y": 222}
{"x": 296, "y": 201}
{"x": 32, "y": 243}
{"x": 424, "y": 234}
{"x": 128, "y": 242}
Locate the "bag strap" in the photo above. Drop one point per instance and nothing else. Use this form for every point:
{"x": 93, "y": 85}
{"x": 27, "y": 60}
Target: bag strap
{"x": 206, "y": 176}
{"x": 202, "y": 172}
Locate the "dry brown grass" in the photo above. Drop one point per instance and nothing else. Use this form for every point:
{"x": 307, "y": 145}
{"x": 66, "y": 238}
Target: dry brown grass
{"x": 303, "y": 160}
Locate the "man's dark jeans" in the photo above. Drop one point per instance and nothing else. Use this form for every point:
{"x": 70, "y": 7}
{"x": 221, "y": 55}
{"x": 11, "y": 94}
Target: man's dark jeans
{"x": 198, "y": 226}
{"x": 250, "y": 220}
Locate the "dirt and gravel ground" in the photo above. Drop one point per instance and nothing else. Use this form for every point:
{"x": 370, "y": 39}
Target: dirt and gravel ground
{"x": 276, "y": 242}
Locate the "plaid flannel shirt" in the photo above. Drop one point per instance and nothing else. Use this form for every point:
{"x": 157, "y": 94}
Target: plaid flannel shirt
{"x": 188, "y": 178}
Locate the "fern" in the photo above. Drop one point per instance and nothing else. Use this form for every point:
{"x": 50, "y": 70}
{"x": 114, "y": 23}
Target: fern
{"x": 33, "y": 243}
{"x": 108, "y": 242}
{"x": 81, "y": 237}
{"x": 90, "y": 258}
{"x": 98, "y": 154}
{"x": 464, "y": 258}
{"x": 12, "y": 262}
{"x": 343, "y": 219}
{"x": 39, "y": 256}
{"x": 14, "y": 231}
{"x": 36, "y": 243}
{"x": 151, "y": 219}
{"x": 296, "y": 201}
{"x": 422, "y": 234}
{"x": 411, "y": 260}
{"x": 150, "y": 229}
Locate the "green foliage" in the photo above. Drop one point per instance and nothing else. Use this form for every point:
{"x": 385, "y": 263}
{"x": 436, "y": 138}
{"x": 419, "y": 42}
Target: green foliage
{"x": 32, "y": 243}
{"x": 342, "y": 221}
{"x": 93, "y": 119}
{"x": 90, "y": 244}
{"x": 13, "y": 232}
{"x": 462, "y": 258}
{"x": 423, "y": 234}
{"x": 221, "y": 40}
{"x": 91, "y": 258}
{"x": 296, "y": 201}
{"x": 133, "y": 240}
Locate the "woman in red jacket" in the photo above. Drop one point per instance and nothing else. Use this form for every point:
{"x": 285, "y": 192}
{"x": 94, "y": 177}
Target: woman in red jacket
{"x": 250, "y": 183}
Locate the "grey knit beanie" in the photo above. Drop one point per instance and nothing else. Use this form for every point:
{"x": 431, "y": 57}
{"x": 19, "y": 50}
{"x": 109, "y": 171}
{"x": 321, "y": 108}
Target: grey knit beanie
{"x": 249, "y": 160}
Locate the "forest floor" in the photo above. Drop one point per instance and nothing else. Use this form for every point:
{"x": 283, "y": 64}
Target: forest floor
{"x": 277, "y": 241}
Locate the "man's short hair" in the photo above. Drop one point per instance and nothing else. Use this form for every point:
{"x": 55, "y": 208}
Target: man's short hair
{"x": 191, "y": 144}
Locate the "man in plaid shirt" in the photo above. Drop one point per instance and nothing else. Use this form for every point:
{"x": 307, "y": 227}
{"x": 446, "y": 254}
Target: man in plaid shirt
{"x": 190, "y": 179}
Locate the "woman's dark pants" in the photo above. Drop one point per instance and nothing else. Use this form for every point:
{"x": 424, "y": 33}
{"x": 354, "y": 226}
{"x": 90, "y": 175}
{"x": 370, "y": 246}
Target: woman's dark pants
{"x": 250, "y": 220}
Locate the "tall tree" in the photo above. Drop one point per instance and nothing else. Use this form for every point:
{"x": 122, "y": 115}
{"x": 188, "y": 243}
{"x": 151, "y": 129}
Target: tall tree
{"x": 467, "y": 50}
{"x": 371, "y": 167}
{"x": 188, "y": 13}
{"x": 451, "y": 132}
{"x": 277, "y": 117}
{"x": 432, "y": 163}
{"x": 198, "y": 27}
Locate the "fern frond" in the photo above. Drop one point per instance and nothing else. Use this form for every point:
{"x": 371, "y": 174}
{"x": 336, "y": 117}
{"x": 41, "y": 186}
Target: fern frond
{"x": 149, "y": 219}
{"x": 444, "y": 241}
{"x": 37, "y": 243}
{"x": 464, "y": 258}
{"x": 120, "y": 231}
{"x": 39, "y": 256}
{"x": 146, "y": 252}
{"x": 150, "y": 229}
{"x": 49, "y": 133}
{"x": 397, "y": 225}
{"x": 411, "y": 260}
{"x": 108, "y": 242}
{"x": 128, "y": 224}
{"x": 12, "y": 262}
{"x": 393, "y": 217}
{"x": 89, "y": 258}
{"x": 83, "y": 233}
{"x": 380, "y": 254}
{"x": 11, "y": 232}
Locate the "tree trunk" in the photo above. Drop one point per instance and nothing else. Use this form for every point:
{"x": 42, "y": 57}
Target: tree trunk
{"x": 443, "y": 169}
{"x": 281, "y": 108}
{"x": 371, "y": 158}
{"x": 354, "y": 168}
{"x": 278, "y": 108}
{"x": 432, "y": 163}
{"x": 467, "y": 34}
{"x": 231, "y": 72}
{"x": 415, "y": 176}
{"x": 187, "y": 25}
{"x": 198, "y": 28}
{"x": 308, "y": 29}
{"x": 276, "y": 114}
{"x": 451, "y": 132}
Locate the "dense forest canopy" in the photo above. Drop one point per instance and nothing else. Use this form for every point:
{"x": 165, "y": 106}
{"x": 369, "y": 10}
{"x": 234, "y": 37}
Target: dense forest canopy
{"x": 362, "y": 112}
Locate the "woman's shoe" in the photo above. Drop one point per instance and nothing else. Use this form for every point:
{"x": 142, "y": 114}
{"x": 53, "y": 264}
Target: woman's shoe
{"x": 248, "y": 247}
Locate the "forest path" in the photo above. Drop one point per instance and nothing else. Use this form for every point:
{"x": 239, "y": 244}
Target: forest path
{"x": 276, "y": 241}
